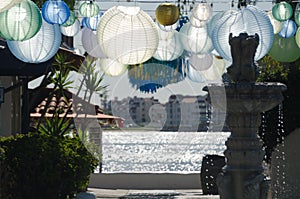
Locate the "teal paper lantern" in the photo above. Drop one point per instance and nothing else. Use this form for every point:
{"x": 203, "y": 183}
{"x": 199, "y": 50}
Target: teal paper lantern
{"x": 71, "y": 20}
{"x": 7, "y": 4}
{"x": 21, "y": 22}
{"x": 288, "y": 29}
{"x": 55, "y": 12}
{"x": 88, "y": 9}
{"x": 284, "y": 49}
{"x": 297, "y": 14}
{"x": 282, "y": 11}
{"x": 40, "y": 48}
{"x": 258, "y": 22}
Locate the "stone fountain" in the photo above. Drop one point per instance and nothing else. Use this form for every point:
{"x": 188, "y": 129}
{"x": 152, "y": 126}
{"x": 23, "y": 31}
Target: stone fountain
{"x": 244, "y": 100}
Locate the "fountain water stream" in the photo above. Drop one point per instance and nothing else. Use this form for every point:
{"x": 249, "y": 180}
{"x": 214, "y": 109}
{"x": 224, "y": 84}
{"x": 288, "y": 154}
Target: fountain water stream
{"x": 242, "y": 177}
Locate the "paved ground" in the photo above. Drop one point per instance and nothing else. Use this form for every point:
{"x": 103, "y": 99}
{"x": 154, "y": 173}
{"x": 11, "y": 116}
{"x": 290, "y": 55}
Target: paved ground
{"x": 150, "y": 194}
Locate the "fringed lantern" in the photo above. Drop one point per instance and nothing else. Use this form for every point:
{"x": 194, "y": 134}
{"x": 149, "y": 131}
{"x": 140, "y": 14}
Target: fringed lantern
{"x": 195, "y": 40}
{"x": 167, "y": 14}
{"x": 90, "y": 43}
{"x": 55, "y": 12}
{"x": 282, "y": 11}
{"x": 71, "y": 20}
{"x": 72, "y": 30}
{"x": 277, "y": 25}
{"x": 284, "y": 49}
{"x": 88, "y": 9}
{"x": 20, "y": 22}
{"x": 112, "y": 67}
{"x": 154, "y": 74}
{"x": 127, "y": 34}
{"x": 288, "y": 29}
{"x": 258, "y": 22}
{"x": 42, "y": 47}
{"x": 169, "y": 48}
{"x": 201, "y": 62}
{"x": 7, "y": 4}
{"x": 92, "y": 22}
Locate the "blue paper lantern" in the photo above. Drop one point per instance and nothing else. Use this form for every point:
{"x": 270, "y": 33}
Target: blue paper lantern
{"x": 288, "y": 29}
{"x": 92, "y": 22}
{"x": 258, "y": 22}
{"x": 42, "y": 47}
{"x": 21, "y": 21}
{"x": 55, "y": 12}
{"x": 83, "y": 22}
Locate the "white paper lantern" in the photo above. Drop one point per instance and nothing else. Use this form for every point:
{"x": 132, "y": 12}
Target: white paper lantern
{"x": 127, "y": 34}
{"x": 7, "y": 4}
{"x": 90, "y": 43}
{"x": 42, "y": 47}
{"x": 202, "y": 11}
{"x": 72, "y": 30}
{"x": 201, "y": 62}
{"x": 196, "y": 22}
{"x": 169, "y": 49}
{"x": 112, "y": 67}
{"x": 258, "y": 22}
{"x": 195, "y": 40}
{"x": 92, "y": 22}
{"x": 215, "y": 72}
{"x": 277, "y": 25}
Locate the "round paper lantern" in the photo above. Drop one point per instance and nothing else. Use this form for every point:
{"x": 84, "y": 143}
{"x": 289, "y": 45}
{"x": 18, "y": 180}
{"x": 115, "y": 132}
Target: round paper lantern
{"x": 201, "y": 62}
{"x": 71, "y": 20}
{"x": 297, "y": 14}
{"x": 195, "y": 40}
{"x": 90, "y": 43}
{"x": 258, "y": 22}
{"x": 288, "y": 29}
{"x": 297, "y": 37}
{"x": 112, "y": 67}
{"x": 88, "y": 9}
{"x": 277, "y": 25}
{"x": 20, "y": 22}
{"x": 282, "y": 11}
{"x": 72, "y": 30}
{"x": 40, "y": 48}
{"x": 194, "y": 75}
{"x": 214, "y": 20}
{"x": 92, "y": 22}
{"x": 215, "y": 71}
{"x": 55, "y": 12}
{"x": 168, "y": 28}
{"x": 202, "y": 11}
{"x": 284, "y": 49}
{"x": 167, "y": 14}
{"x": 7, "y": 4}
{"x": 169, "y": 49}
{"x": 127, "y": 34}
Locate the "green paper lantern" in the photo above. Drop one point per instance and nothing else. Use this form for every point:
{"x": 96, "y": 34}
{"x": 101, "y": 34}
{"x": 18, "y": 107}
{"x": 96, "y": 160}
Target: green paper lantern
{"x": 297, "y": 37}
{"x": 21, "y": 22}
{"x": 297, "y": 14}
{"x": 89, "y": 9}
{"x": 71, "y": 20}
{"x": 282, "y": 11}
{"x": 284, "y": 49}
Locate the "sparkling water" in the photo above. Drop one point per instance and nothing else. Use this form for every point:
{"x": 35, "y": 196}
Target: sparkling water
{"x": 155, "y": 151}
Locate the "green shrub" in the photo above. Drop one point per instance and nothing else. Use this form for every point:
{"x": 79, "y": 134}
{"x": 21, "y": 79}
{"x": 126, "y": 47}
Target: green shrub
{"x": 36, "y": 166}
